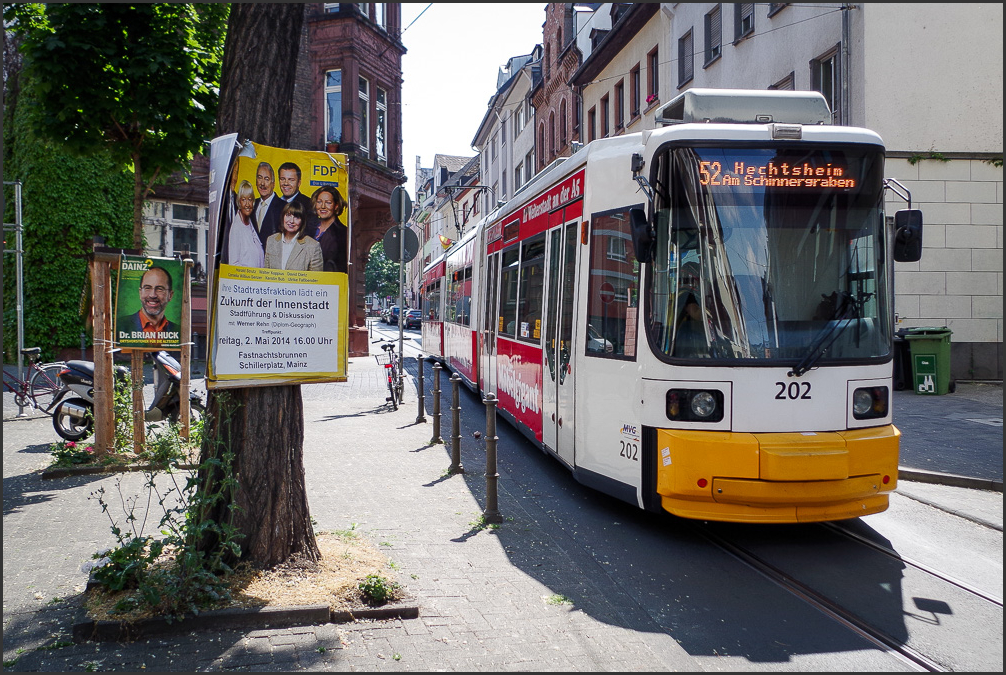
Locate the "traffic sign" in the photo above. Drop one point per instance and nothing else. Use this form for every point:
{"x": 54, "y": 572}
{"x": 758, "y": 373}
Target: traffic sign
{"x": 607, "y": 292}
{"x": 401, "y": 205}
{"x": 392, "y": 245}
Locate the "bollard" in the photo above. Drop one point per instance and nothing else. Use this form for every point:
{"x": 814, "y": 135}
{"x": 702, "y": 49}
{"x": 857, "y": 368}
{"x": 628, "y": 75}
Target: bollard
{"x": 492, "y": 513}
{"x": 436, "y": 404}
{"x": 456, "y": 421}
{"x": 421, "y": 416}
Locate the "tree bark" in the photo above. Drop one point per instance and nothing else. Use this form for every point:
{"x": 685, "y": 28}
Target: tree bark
{"x": 262, "y": 426}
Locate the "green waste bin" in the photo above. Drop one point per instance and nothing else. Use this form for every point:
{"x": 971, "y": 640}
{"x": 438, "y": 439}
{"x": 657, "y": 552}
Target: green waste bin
{"x": 930, "y": 350}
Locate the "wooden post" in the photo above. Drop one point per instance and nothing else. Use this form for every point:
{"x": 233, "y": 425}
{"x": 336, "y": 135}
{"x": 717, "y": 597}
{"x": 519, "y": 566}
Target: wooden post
{"x": 136, "y": 375}
{"x": 104, "y": 416}
{"x": 183, "y": 409}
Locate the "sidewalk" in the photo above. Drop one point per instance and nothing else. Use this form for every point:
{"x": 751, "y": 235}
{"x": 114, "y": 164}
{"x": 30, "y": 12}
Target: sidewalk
{"x": 479, "y": 607}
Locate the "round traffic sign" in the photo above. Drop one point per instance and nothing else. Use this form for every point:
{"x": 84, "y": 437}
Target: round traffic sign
{"x": 607, "y": 292}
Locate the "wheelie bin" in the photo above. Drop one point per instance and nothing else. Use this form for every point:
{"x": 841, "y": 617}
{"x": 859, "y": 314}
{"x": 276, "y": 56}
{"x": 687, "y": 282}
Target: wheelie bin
{"x": 930, "y": 350}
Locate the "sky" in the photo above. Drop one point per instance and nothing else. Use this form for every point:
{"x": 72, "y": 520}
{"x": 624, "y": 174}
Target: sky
{"x": 454, "y": 53}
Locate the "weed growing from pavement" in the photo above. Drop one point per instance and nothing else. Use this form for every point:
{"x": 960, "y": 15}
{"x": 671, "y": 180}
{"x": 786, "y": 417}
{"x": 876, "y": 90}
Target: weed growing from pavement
{"x": 378, "y": 590}
{"x": 170, "y": 575}
{"x": 558, "y": 599}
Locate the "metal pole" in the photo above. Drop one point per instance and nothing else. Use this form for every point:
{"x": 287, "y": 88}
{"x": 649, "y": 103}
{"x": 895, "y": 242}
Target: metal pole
{"x": 19, "y": 255}
{"x": 456, "y": 421}
{"x": 436, "y": 405}
{"x": 492, "y": 513}
{"x": 421, "y": 415}
{"x": 401, "y": 283}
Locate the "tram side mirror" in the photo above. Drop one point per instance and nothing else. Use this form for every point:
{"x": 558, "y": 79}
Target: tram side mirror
{"x": 642, "y": 235}
{"x": 908, "y": 235}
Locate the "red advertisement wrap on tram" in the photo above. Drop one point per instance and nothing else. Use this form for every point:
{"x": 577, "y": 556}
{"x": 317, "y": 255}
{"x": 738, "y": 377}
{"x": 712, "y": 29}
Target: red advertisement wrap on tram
{"x": 519, "y": 383}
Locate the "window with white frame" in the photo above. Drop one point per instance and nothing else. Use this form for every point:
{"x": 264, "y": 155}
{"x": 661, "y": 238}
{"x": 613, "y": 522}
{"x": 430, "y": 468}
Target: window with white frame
{"x": 381, "y": 14}
{"x": 333, "y": 106}
{"x": 825, "y": 79}
{"x": 743, "y": 19}
{"x": 653, "y": 75}
{"x": 381, "y": 130}
{"x": 364, "y": 117}
{"x": 517, "y": 177}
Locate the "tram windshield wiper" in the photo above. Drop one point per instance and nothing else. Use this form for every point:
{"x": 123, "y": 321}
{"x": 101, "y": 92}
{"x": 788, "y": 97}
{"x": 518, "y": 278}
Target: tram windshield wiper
{"x": 849, "y": 312}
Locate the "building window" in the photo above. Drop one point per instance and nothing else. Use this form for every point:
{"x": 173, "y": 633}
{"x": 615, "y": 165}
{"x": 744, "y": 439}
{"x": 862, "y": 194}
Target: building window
{"x": 635, "y": 90}
{"x": 775, "y": 7}
{"x": 824, "y": 77}
{"x": 591, "y": 124}
{"x": 620, "y": 104}
{"x": 382, "y": 125}
{"x": 502, "y": 132}
{"x": 185, "y": 212}
{"x": 381, "y": 14}
{"x": 714, "y": 34}
{"x": 605, "y": 119}
{"x": 333, "y": 106}
{"x": 686, "y": 62}
{"x": 743, "y": 20}
{"x": 185, "y": 239}
{"x": 516, "y": 178}
{"x": 787, "y": 83}
{"x": 529, "y": 165}
{"x": 562, "y": 124}
{"x": 492, "y": 144}
{"x": 652, "y": 76}
{"x": 364, "y": 117}
{"x": 503, "y": 192}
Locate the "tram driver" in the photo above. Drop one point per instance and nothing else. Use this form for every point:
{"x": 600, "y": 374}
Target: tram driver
{"x": 690, "y": 336}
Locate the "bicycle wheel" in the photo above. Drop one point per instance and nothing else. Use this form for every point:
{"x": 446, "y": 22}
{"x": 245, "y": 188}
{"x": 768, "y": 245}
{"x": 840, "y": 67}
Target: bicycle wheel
{"x": 391, "y": 392}
{"x": 44, "y": 384}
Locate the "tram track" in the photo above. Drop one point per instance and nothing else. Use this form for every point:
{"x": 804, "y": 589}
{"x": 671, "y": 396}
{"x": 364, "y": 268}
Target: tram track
{"x": 826, "y": 606}
{"x": 834, "y": 608}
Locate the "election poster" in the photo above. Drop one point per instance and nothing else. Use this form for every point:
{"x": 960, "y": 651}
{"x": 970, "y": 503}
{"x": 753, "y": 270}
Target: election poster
{"x": 279, "y": 305}
{"x": 148, "y": 303}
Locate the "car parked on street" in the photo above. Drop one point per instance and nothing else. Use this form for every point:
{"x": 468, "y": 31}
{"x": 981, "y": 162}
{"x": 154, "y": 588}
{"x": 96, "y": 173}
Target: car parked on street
{"x": 393, "y": 315}
{"x": 414, "y": 319}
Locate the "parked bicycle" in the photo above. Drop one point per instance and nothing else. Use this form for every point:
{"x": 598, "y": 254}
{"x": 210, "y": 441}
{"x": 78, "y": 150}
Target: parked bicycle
{"x": 393, "y": 368}
{"x": 40, "y": 385}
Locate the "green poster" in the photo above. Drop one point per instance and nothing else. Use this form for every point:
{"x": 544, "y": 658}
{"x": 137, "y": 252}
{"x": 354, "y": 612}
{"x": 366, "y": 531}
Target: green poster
{"x": 148, "y": 303}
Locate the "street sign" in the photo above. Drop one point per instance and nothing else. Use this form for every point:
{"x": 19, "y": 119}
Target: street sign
{"x": 401, "y": 205}
{"x": 392, "y": 246}
{"x": 607, "y": 292}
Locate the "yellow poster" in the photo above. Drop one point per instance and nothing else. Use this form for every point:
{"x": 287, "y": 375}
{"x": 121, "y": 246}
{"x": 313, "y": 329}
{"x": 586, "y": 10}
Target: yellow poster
{"x": 280, "y": 307}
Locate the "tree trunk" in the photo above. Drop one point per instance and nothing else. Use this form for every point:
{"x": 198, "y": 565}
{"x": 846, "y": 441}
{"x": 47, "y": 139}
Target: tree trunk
{"x": 262, "y": 426}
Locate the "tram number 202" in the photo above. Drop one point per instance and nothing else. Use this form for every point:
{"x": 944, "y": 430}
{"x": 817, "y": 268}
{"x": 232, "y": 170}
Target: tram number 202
{"x": 793, "y": 391}
{"x": 630, "y": 450}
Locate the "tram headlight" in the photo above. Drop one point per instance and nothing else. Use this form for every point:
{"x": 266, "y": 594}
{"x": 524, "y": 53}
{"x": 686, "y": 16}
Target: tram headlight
{"x": 694, "y": 405}
{"x": 870, "y": 403}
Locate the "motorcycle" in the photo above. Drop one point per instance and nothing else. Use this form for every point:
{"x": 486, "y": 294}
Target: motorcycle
{"x": 73, "y": 414}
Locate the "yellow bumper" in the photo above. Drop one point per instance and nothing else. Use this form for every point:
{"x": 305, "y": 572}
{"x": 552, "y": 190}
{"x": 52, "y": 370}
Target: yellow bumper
{"x": 776, "y": 478}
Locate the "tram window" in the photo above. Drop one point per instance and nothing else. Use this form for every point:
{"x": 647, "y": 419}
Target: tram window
{"x": 532, "y": 288}
{"x": 431, "y": 302}
{"x": 612, "y": 293}
{"x": 490, "y": 293}
{"x": 508, "y": 293}
{"x": 463, "y": 297}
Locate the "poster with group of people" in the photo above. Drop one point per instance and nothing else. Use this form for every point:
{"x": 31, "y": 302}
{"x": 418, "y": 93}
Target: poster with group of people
{"x": 279, "y": 309}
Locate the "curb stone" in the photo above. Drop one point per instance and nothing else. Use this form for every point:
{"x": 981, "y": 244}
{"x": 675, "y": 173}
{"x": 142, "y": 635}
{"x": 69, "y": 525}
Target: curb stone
{"x": 232, "y": 618}
{"x": 91, "y": 470}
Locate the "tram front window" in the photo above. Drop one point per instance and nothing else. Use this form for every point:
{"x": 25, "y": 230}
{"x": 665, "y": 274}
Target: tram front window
{"x": 772, "y": 255}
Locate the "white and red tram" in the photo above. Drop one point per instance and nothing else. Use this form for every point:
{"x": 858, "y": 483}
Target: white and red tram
{"x": 696, "y": 318}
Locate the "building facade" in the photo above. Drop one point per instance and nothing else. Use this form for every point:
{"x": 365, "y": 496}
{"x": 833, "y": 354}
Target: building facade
{"x": 922, "y": 76}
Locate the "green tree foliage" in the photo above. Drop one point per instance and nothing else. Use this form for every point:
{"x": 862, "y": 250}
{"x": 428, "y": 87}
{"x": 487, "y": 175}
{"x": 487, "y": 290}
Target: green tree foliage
{"x": 381, "y": 273}
{"x": 66, "y": 201}
{"x": 138, "y": 81}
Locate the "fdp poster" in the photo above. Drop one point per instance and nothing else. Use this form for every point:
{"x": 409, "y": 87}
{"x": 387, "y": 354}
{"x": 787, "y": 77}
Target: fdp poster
{"x": 148, "y": 303}
{"x": 279, "y": 309}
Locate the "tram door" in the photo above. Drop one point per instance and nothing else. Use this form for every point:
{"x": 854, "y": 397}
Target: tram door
{"x": 557, "y": 389}
{"x": 490, "y": 321}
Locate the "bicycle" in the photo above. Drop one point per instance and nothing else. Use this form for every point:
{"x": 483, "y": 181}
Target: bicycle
{"x": 40, "y": 386}
{"x": 393, "y": 368}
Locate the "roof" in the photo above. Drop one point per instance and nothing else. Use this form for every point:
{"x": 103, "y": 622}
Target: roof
{"x": 452, "y": 163}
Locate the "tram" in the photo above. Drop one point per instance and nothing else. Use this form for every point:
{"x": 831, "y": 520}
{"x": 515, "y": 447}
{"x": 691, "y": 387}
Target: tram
{"x": 698, "y": 318}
